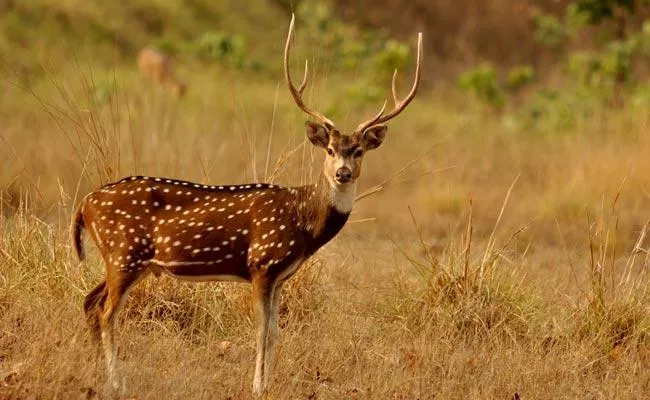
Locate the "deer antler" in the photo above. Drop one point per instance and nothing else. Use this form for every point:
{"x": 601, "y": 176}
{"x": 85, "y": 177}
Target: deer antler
{"x": 297, "y": 92}
{"x": 399, "y": 105}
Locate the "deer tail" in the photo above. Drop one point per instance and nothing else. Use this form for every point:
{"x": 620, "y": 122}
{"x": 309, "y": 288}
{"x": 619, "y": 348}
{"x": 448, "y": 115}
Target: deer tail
{"x": 77, "y": 229}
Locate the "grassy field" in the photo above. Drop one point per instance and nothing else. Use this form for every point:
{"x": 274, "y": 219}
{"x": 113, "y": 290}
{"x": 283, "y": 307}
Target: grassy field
{"x": 493, "y": 259}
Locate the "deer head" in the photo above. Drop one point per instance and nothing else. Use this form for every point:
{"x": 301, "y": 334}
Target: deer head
{"x": 345, "y": 151}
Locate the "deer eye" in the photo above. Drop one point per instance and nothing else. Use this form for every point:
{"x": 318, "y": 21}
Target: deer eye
{"x": 357, "y": 153}
{"x": 330, "y": 152}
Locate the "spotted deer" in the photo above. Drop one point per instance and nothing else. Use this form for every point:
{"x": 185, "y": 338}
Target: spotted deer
{"x": 258, "y": 232}
{"x": 157, "y": 66}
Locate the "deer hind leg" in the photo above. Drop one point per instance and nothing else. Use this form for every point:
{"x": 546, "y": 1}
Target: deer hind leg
{"x": 264, "y": 298}
{"x": 93, "y": 308}
{"x": 118, "y": 284}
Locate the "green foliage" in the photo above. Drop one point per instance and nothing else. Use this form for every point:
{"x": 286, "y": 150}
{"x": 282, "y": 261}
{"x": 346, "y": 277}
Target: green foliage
{"x": 552, "y": 110}
{"x": 594, "y": 11}
{"x": 222, "y": 47}
{"x": 167, "y": 45}
{"x": 602, "y": 69}
{"x": 394, "y": 55}
{"x": 519, "y": 77}
{"x": 483, "y": 83}
{"x": 549, "y": 30}
{"x": 585, "y": 66}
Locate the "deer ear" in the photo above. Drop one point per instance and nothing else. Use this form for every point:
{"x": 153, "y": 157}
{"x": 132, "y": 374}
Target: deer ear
{"x": 317, "y": 134}
{"x": 374, "y": 136}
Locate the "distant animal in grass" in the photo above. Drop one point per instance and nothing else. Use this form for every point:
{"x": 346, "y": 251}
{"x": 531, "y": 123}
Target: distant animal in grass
{"x": 157, "y": 66}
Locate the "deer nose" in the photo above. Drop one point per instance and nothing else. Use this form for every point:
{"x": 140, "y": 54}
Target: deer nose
{"x": 343, "y": 175}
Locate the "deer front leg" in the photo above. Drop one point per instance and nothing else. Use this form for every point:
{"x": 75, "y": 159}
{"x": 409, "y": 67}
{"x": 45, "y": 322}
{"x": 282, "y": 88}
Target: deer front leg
{"x": 264, "y": 298}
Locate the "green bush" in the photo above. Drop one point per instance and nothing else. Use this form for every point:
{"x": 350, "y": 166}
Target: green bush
{"x": 549, "y": 30}
{"x": 519, "y": 77}
{"x": 222, "y": 47}
{"x": 483, "y": 83}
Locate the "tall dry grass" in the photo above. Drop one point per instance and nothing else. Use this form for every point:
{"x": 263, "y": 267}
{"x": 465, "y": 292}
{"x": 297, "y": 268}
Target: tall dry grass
{"x": 491, "y": 263}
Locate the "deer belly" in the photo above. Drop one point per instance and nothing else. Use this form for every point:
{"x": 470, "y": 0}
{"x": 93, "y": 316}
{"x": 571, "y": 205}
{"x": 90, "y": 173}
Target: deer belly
{"x": 204, "y": 271}
{"x": 203, "y": 257}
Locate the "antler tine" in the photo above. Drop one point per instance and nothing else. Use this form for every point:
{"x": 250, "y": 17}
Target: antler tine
{"x": 303, "y": 84}
{"x": 297, "y": 92}
{"x": 394, "y": 88}
{"x": 399, "y": 105}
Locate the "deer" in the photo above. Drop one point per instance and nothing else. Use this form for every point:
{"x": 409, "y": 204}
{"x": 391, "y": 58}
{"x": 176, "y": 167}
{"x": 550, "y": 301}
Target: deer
{"x": 259, "y": 233}
{"x": 157, "y": 66}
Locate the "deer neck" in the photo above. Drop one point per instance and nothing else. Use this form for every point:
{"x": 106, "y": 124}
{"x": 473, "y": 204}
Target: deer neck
{"x": 323, "y": 210}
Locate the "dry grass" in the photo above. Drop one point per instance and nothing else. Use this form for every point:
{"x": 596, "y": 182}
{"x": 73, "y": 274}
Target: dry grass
{"x": 438, "y": 288}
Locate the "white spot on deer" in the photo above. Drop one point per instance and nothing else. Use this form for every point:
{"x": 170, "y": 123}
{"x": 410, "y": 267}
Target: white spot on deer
{"x": 197, "y": 236}
{"x": 176, "y": 243}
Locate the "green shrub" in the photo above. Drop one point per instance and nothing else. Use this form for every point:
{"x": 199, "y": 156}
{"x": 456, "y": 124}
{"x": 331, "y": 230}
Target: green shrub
{"x": 519, "y": 77}
{"x": 222, "y": 47}
{"x": 482, "y": 81}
